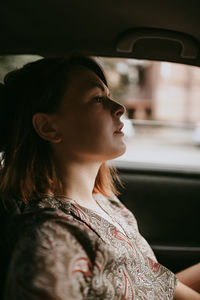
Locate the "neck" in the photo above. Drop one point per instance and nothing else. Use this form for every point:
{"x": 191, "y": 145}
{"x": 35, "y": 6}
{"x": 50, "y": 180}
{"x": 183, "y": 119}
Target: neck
{"x": 78, "y": 181}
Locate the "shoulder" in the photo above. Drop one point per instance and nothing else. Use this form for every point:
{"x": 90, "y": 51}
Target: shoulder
{"x": 44, "y": 228}
{"x": 52, "y": 247}
{"x": 51, "y": 215}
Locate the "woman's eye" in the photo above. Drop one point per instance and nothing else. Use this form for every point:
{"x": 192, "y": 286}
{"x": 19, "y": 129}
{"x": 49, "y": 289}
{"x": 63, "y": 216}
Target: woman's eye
{"x": 98, "y": 99}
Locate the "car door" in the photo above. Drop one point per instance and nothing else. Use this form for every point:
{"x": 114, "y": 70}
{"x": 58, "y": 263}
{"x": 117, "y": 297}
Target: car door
{"x": 166, "y": 205}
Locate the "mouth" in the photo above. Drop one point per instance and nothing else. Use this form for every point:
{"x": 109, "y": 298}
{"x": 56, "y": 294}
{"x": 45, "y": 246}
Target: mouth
{"x": 119, "y": 130}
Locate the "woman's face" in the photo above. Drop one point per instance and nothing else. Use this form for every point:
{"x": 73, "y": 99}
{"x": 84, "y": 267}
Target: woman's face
{"x": 88, "y": 118}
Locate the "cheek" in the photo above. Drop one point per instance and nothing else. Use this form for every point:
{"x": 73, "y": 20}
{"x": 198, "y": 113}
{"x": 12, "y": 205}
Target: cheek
{"x": 90, "y": 134}
{"x": 94, "y": 131}
{"x": 80, "y": 129}
{"x": 94, "y": 124}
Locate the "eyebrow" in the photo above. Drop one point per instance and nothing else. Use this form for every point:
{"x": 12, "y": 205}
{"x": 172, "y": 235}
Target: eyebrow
{"x": 97, "y": 84}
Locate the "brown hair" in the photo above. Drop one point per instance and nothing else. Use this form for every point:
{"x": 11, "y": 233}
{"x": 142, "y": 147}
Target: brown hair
{"x": 27, "y": 167}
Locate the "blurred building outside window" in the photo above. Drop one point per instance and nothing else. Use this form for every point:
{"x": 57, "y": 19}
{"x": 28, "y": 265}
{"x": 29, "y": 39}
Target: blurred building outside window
{"x": 163, "y": 105}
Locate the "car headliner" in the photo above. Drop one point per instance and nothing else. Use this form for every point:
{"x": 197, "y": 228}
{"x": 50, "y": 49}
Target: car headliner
{"x": 57, "y": 27}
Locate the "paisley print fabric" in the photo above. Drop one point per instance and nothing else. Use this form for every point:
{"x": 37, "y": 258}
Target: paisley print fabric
{"x": 64, "y": 251}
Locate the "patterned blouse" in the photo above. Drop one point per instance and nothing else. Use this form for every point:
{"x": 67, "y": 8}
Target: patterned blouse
{"x": 65, "y": 251}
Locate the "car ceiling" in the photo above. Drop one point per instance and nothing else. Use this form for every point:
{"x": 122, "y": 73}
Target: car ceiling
{"x": 160, "y": 29}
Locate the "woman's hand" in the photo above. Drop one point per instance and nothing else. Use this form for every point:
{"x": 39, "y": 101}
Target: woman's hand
{"x": 191, "y": 277}
{"x": 183, "y": 292}
{"x": 188, "y": 287}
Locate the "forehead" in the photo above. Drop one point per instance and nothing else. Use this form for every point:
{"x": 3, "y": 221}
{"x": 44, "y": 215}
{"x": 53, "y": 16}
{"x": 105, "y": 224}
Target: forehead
{"x": 84, "y": 79}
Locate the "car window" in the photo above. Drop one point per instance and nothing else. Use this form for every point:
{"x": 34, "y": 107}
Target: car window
{"x": 162, "y": 99}
{"x": 162, "y": 122}
{"x": 11, "y": 62}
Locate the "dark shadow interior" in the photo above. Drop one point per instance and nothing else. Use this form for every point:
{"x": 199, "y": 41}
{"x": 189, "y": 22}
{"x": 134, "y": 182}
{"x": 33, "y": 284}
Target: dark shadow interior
{"x": 166, "y": 206}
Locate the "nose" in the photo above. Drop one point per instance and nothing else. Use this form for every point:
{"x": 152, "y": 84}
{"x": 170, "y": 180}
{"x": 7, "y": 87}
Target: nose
{"x": 118, "y": 109}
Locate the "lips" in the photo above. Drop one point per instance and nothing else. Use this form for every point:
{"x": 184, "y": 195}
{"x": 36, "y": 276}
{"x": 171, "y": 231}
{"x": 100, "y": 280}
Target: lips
{"x": 119, "y": 128}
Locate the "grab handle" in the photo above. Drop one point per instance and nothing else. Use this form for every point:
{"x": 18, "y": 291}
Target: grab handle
{"x": 127, "y": 42}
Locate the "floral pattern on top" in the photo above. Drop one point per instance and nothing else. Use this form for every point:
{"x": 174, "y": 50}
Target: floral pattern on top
{"x": 64, "y": 251}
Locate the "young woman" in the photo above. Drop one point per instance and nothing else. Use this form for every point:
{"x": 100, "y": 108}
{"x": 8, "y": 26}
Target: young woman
{"x": 68, "y": 235}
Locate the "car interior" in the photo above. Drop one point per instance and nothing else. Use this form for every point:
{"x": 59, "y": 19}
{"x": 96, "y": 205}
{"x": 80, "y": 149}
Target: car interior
{"x": 164, "y": 199}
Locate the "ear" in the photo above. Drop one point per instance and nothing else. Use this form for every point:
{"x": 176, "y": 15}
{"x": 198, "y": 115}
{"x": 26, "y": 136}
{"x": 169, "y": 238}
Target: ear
{"x": 45, "y": 126}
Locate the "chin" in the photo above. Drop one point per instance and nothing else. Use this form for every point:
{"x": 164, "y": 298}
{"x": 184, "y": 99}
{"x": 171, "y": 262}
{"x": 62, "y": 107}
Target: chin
{"x": 119, "y": 152}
